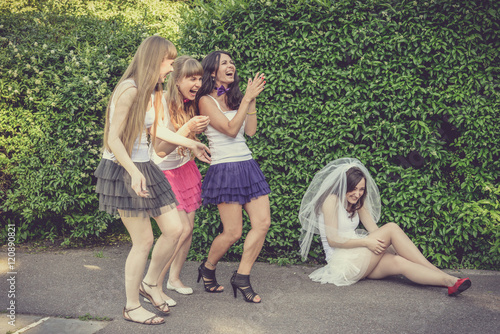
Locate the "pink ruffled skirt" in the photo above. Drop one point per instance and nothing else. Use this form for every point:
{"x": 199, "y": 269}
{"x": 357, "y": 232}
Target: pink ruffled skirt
{"x": 186, "y": 184}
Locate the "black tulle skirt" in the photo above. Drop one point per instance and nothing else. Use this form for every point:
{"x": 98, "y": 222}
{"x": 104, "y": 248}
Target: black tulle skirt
{"x": 116, "y": 193}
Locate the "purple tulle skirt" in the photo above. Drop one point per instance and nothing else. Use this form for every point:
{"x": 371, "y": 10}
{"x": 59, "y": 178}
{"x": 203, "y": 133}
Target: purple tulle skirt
{"x": 116, "y": 193}
{"x": 233, "y": 182}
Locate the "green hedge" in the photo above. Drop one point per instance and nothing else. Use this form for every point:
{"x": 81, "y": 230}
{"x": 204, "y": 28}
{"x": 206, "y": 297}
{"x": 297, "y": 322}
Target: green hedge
{"x": 59, "y": 63}
{"x": 389, "y": 82}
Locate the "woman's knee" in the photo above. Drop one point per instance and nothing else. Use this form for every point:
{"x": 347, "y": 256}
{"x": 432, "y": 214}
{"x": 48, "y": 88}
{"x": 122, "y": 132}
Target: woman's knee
{"x": 233, "y": 234}
{"x": 175, "y": 230}
{"x": 262, "y": 224}
{"x": 187, "y": 230}
{"x": 143, "y": 244}
{"x": 391, "y": 226}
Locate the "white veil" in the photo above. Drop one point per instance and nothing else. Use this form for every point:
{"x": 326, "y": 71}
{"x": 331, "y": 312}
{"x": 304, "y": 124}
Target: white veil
{"x": 332, "y": 179}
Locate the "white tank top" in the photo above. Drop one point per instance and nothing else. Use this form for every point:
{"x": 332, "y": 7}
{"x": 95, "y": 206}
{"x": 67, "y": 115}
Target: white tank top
{"x": 140, "y": 149}
{"x": 174, "y": 159}
{"x": 225, "y": 148}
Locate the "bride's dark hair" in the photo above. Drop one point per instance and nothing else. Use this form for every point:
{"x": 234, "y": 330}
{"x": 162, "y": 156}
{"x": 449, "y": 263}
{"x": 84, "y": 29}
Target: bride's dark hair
{"x": 353, "y": 175}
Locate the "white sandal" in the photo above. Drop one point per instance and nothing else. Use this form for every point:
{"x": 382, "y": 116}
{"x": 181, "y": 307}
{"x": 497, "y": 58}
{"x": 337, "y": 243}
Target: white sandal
{"x": 182, "y": 291}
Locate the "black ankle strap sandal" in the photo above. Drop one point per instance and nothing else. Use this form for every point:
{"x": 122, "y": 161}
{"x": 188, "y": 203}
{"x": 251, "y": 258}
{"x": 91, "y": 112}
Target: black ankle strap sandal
{"x": 209, "y": 280}
{"x": 242, "y": 283}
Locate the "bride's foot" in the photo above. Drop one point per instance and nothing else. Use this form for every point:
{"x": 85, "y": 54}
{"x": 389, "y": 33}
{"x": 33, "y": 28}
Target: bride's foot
{"x": 460, "y": 286}
{"x": 151, "y": 292}
{"x": 178, "y": 286}
{"x": 140, "y": 315}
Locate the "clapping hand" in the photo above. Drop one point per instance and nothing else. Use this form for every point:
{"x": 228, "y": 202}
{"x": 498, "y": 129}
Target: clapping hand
{"x": 255, "y": 86}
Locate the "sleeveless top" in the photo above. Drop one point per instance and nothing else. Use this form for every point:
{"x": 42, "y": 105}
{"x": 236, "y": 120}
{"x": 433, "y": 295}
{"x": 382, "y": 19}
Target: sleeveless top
{"x": 346, "y": 230}
{"x": 174, "y": 159}
{"x": 140, "y": 148}
{"x": 225, "y": 148}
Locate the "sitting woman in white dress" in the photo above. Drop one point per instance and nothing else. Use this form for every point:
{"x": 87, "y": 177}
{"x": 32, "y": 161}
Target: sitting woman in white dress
{"x": 340, "y": 196}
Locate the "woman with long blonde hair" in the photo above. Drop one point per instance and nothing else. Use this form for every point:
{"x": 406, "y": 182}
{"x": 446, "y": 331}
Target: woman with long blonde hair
{"x": 130, "y": 185}
{"x": 179, "y": 166}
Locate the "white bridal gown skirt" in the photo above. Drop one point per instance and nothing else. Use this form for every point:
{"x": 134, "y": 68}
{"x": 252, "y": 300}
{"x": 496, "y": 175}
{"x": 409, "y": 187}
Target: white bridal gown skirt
{"x": 345, "y": 266}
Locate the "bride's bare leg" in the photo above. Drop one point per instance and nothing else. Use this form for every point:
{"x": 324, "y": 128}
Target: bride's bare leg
{"x": 392, "y": 234}
{"x": 388, "y": 264}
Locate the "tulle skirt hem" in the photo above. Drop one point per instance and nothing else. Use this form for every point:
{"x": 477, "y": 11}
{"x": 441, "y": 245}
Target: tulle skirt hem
{"x": 116, "y": 195}
{"x": 186, "y": 184}
{"x": 345, "y": 266}
{"x": 234, "y": 182}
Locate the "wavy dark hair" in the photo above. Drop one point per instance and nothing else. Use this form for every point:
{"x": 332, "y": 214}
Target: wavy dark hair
{"x": 211, "y": 64}
{"x": 354, "y": 176}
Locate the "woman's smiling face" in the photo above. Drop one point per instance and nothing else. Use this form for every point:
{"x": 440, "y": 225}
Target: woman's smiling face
{"x": 225, "y": 73}
{"x": 358, "y": 191}
{"x": 189, "y": 86}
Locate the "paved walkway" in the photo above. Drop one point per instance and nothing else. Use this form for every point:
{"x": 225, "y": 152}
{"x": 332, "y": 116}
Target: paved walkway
{"x": 54, "y": 289}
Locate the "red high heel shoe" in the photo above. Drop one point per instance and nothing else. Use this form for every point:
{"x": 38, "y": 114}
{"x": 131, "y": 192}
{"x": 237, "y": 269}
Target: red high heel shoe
{"x": 460, "y": 286}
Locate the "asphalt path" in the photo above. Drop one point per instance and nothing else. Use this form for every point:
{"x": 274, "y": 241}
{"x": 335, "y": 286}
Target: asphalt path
{"x": 55, "y": 289}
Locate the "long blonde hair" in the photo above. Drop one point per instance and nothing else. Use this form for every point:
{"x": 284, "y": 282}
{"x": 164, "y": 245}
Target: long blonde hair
{"x": 144, "y": 70}
{"x": 180, "y": 112}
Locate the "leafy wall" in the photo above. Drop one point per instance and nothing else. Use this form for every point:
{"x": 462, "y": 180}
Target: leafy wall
{"x": 410, "y": 88}
{"x": 59, "y": 63}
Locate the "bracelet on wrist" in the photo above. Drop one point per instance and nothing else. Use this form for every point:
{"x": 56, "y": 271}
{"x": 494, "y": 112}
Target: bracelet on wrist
{"x": 252, "y": 113}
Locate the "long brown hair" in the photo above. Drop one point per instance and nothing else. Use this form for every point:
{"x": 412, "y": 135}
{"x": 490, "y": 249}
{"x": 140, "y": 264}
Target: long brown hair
{"x": 211, "y": 64}
{"x": 144, "y": 70}
{"x": 180, "y": 112}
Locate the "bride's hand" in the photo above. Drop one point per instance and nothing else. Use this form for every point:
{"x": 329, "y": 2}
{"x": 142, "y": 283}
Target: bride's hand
{"x": 377, "y": 246}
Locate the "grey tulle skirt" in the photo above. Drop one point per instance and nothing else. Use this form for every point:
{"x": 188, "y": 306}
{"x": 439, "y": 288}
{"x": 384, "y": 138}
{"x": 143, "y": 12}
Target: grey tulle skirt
{"x": 116, "y": 193}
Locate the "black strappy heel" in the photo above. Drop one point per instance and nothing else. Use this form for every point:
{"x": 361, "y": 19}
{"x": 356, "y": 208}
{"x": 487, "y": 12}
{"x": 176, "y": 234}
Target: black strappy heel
{"x": 242, "y": 283}
{"x": 209, "y": 280}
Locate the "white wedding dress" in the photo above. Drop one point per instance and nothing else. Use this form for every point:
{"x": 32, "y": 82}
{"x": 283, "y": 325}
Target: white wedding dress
{"x": 345, "y": 265}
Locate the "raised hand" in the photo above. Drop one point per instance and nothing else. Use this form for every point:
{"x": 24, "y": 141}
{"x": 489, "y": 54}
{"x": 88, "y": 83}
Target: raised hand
{"x": 255, "y": 86}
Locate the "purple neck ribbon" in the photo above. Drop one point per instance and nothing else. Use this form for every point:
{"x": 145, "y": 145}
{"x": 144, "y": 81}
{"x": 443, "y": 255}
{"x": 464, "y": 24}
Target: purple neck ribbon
{"x": 222, "y": 90}
{"x": 186, "y": 100}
